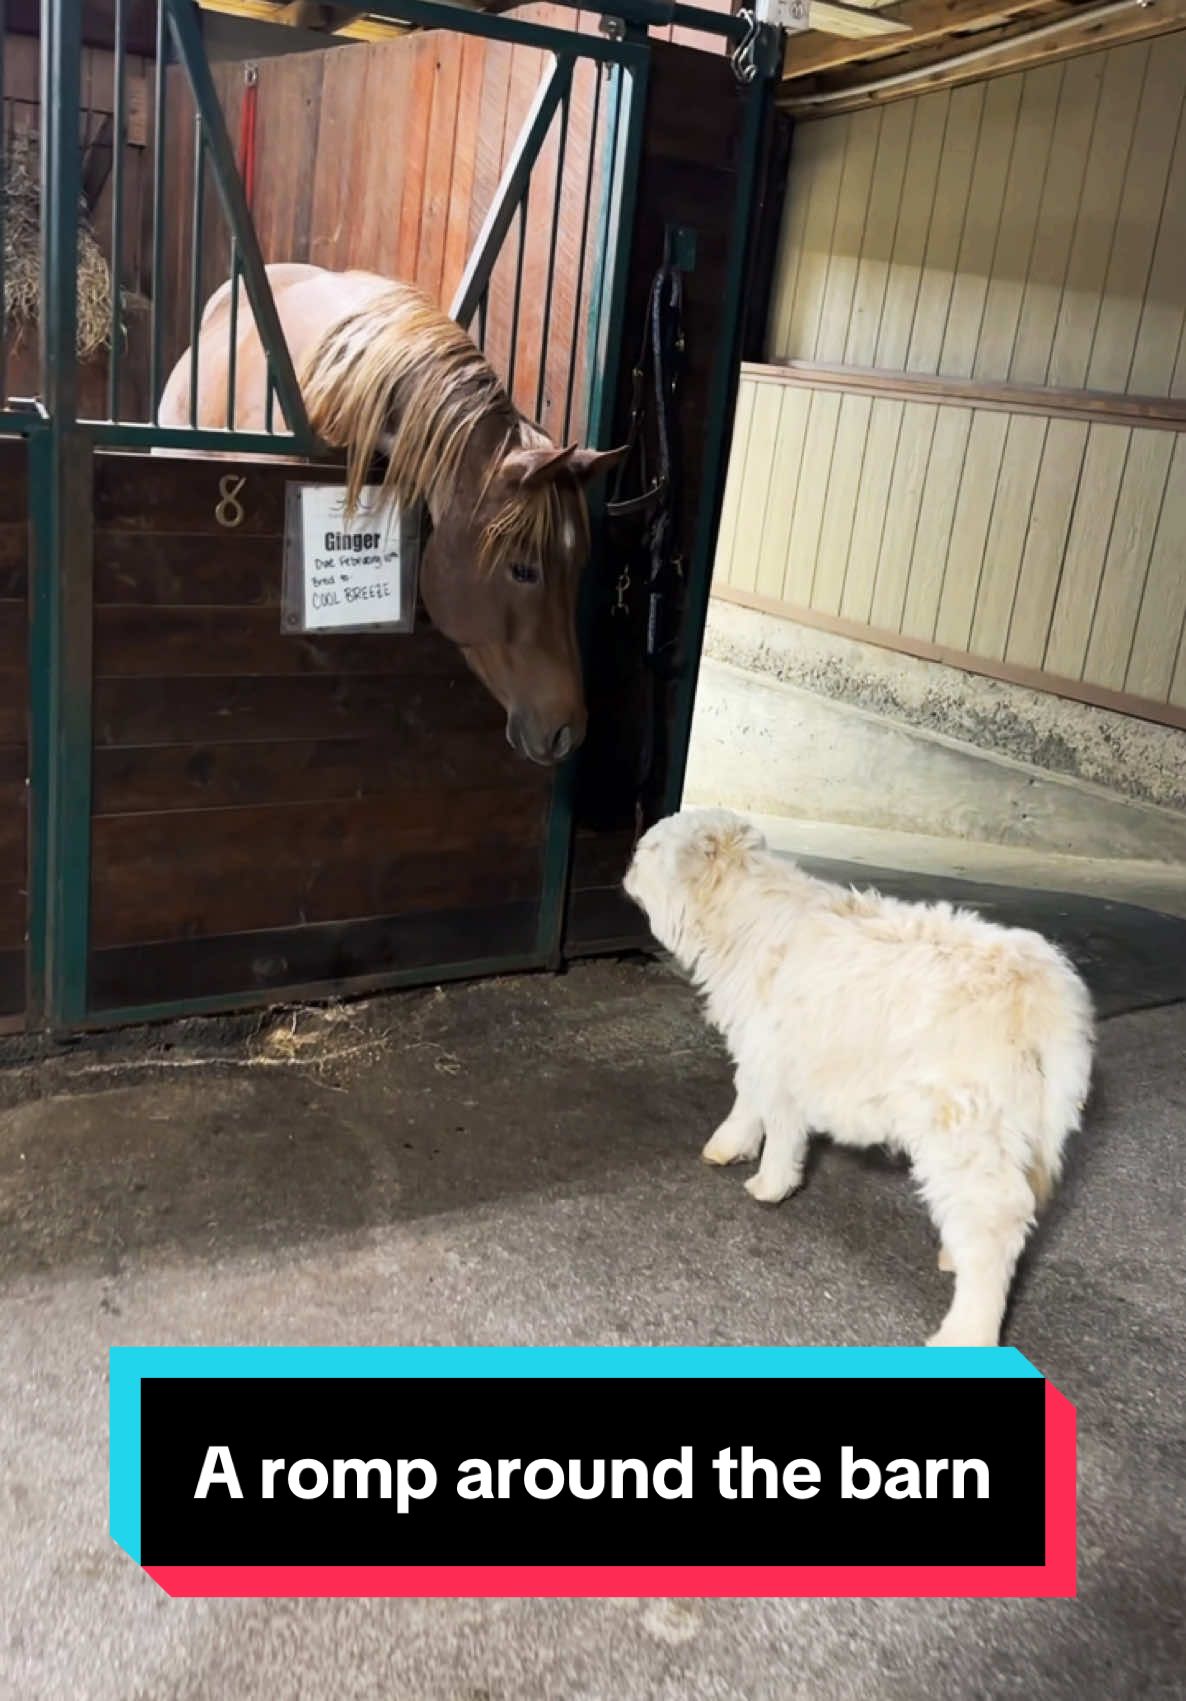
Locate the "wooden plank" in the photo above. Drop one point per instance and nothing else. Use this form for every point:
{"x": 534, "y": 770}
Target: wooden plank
{"x": 877, "y": 242}
{"x": 788, "y": 460}
{"x": 809, "y": 150}
{"x": 981, "y": 226}
{"x": 417, "y": 136}
{"x": 809, "y": 505}
{"x": 1011, "y": 512}
{"x": 1134, "y": 527}
{"x": 1077, "y": 690}
{"x": 438, "y": 210}
{"x": 969, "y": 531}
{"x": 946, "y": 230}
{"x": 1157, "y": 640}
{"x": 465, "y": 145}
{"x": 1139, "y": 212}
{"x": 1087, "y": 547}
{"x": 203, "y": 902}
{"x": 130, "y": 779}
{"x": 934, "y": 545}
{"x": 1015, "y": 46}
{"x": 1045, "y": 544}
{"x": 334, "y": 193}
{"x": 872, "y": 513}
{"x": 173, "y": 643}
{"x": 1096, "y": 407}
{"x": 911, "y": 460}
{"x": 1017, "y": 226}
{"x": 847, "y": 234}
{"x": 1099, "y": 210}
{"x": 927, "y": 20}
{"x": 312, "y": 962}
{"x": 1056, "y": 222}
{"x": 757, "y": 486}
{"x": 727, "y": 563}
{"x": 800, "y": 336}
{"x": 221, "y": 710}
{"x": 915, "y": 212}
{"x": 844, "y": 482}
{"x": 1163, "y": 310}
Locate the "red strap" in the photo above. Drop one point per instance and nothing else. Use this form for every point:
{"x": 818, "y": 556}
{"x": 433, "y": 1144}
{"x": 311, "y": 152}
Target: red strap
{"x": 247, "y": 136}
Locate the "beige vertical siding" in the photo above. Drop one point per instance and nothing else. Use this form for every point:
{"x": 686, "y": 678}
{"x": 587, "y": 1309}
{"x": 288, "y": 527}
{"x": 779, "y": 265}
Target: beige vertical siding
{"x": 1030, "y": 230}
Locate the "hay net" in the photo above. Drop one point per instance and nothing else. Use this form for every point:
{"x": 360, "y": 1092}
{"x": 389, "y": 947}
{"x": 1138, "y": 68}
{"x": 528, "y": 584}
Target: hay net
{"x": 22, "y": 253}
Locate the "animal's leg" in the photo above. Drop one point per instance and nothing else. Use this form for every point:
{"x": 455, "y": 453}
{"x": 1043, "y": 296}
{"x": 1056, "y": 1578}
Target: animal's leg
{"x": 781, "y": 1168}
{"x": 984, "y": 1209}
{"x": 740, "y": 1134}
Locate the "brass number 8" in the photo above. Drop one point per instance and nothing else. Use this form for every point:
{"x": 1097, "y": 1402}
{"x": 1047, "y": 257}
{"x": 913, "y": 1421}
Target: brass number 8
{"x": 229, "y": 510}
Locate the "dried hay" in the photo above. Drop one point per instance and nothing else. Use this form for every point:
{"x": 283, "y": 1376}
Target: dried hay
{"x": 22, "y": 254}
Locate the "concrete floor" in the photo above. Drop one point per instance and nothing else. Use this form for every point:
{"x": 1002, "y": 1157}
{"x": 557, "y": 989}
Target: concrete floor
{"x": 517, "y": 1162}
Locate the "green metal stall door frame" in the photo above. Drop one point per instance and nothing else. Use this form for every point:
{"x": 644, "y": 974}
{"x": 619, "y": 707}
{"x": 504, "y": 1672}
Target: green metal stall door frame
{"x": 61, "y": 446}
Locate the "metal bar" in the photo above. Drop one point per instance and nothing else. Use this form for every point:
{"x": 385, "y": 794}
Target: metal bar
{"x": 641, "y": 15}
{"x": 232, "y": 361}
{"x": 270, "y": 402}
{"x": 547, "y": 320}
{"x": 616, "y": 243}
{"x": 134, "y": 434}
{"x": 61, "y": 561}
{"x": 594, "y": 375}
{"x": 183, "y": 22}
{"x": 483, "y": 308}
{"x": 160, "y": 114}
{"x": 579, "y": 296}
{"x": 718, "y": 432}
{"x": 515, "y": 305}
{"x": 511, "y": 189}
{"x": 195, "y": 266}
{"x": 118, "y": 143}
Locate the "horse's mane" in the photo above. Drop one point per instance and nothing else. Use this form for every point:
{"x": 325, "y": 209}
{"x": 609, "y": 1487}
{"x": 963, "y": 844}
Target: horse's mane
{"x": 398, "y": 377}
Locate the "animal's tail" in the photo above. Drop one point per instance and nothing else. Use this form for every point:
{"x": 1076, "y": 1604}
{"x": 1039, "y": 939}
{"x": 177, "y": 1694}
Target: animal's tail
{"x": 1064, "y": 1032}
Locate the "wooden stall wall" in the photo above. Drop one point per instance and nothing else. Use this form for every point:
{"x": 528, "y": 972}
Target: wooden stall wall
{"x": 274, "y": 811}
{"x": 14, "y": 691}
{"x": 980, "y": 452}
{"x": 386, "y": 156}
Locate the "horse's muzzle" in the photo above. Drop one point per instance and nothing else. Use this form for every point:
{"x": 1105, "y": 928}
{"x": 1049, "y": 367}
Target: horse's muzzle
{"x": 546, "y": 745}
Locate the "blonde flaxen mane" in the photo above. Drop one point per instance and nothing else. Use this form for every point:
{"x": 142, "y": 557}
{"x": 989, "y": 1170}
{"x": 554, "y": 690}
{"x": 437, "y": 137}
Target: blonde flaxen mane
{"x": 397, "y": 377}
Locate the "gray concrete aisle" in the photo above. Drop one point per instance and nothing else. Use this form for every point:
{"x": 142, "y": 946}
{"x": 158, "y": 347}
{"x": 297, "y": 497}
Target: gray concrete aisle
{"x": 517, "y": 1162}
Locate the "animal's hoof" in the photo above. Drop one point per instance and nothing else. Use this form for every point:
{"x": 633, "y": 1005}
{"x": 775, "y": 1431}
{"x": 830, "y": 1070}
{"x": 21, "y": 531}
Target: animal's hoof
{"x": 946, "y": 1264}
{"x": 767, "y": 1192}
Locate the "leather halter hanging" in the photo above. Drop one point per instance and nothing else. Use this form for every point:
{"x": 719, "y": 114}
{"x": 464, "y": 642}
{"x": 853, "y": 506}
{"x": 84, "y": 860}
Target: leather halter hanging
{"x": 647, "y": 522}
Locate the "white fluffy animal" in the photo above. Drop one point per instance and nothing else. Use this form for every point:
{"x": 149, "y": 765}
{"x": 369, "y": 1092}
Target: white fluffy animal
{"x": 961, "y": 1043}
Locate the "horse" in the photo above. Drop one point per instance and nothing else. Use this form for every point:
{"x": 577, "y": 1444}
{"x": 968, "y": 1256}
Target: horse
{"x": 383, "y": 371}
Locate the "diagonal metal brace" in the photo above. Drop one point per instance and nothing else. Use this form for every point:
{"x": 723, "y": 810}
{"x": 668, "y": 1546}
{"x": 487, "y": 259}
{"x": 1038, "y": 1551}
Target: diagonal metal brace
{"x": 183, "y": 21}
{"x": 511, "y": 190}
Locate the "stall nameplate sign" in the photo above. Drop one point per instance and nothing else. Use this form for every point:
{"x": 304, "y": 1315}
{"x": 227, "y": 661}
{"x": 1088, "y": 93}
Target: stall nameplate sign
{"x": 355, "y": 574}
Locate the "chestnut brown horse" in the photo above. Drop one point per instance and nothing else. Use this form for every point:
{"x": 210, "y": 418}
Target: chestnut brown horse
{"x": 384, "y": 372}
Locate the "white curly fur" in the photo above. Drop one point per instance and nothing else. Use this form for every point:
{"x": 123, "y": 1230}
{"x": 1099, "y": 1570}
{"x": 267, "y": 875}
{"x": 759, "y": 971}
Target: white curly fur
{"x": 961, "y": 1043}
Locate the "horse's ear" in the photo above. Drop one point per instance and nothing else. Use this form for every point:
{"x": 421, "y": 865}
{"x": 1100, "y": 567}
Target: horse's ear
{"x": 527, "y": 469}
{"x": 588, "y": 464}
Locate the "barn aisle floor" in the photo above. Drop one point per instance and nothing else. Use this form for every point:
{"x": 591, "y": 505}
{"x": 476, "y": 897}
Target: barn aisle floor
{"x": 516, "y": 1161}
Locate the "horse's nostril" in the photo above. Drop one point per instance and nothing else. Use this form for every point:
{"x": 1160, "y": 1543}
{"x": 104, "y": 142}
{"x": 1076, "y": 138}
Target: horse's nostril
{"x": 562, "y": 743}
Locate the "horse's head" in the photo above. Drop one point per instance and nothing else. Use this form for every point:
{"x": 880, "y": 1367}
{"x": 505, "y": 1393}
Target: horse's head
{"x": 500, "y": 577}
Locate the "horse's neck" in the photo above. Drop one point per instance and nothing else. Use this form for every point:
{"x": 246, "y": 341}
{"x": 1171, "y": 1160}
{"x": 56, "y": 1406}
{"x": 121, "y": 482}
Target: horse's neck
{"x": 487, "y": 440}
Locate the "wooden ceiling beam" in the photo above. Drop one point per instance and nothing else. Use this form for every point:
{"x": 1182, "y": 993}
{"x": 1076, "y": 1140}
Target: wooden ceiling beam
{"x": 1016, "y": 47}
{"x": 927, "y": 20}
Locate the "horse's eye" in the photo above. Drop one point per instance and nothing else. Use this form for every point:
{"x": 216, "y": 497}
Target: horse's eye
{"x": 524, "y": 573}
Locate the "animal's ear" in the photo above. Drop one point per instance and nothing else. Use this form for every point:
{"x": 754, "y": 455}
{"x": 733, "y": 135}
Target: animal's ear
{"x": 725, "y": 838}
{"x": 527, "y": 469}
